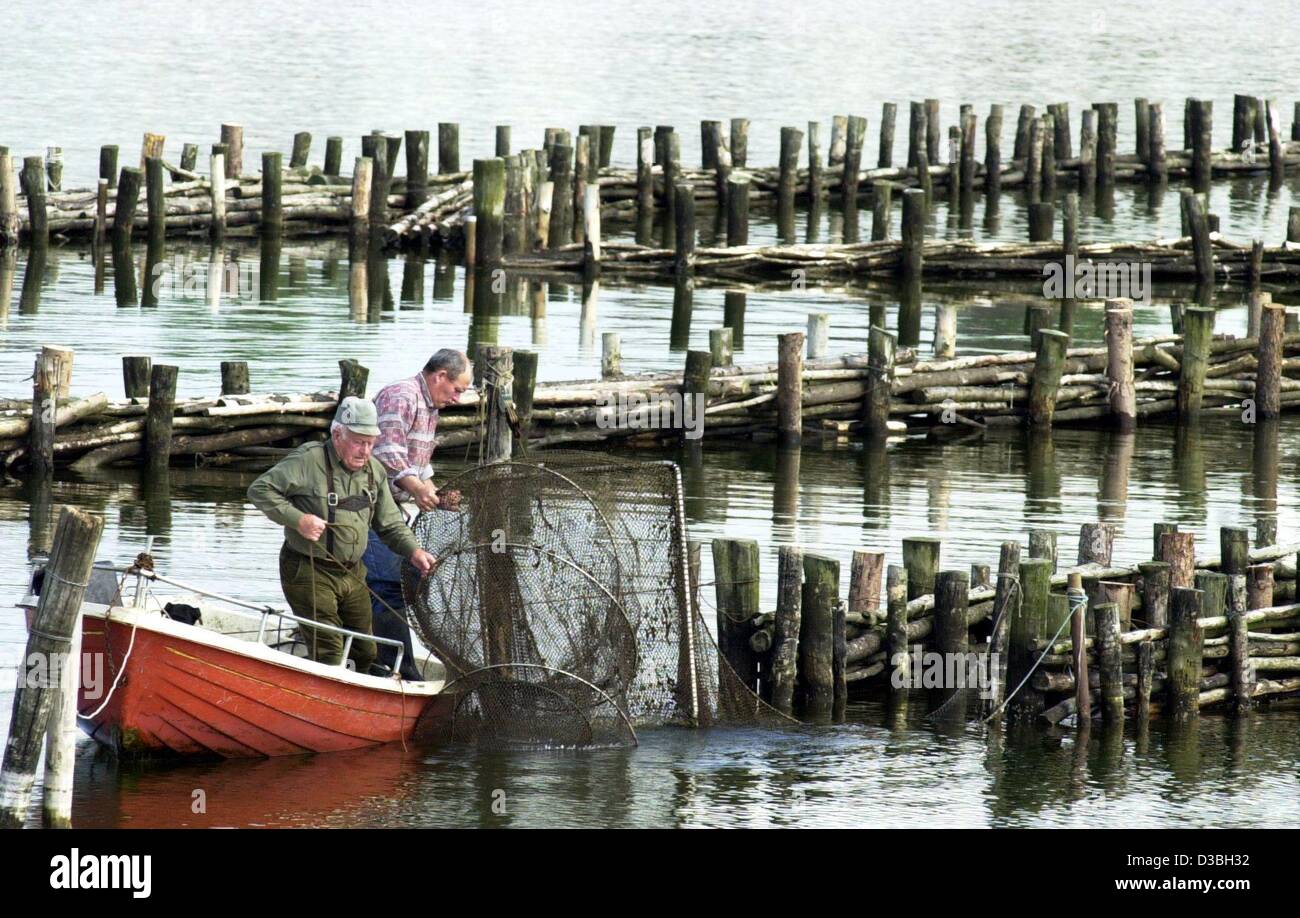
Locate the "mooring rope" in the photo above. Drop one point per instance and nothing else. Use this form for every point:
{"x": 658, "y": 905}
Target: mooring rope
{"x": 1046, "y": 650}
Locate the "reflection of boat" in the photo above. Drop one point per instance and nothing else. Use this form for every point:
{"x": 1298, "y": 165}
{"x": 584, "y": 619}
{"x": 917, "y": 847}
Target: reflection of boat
{"x": 235, "y": 683}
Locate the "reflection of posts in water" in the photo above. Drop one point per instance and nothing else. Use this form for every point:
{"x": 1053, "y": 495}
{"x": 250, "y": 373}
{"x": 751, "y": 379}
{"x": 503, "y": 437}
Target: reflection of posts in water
{"x": 785, "y": 486}
{"x": 1264, "y": 475}
{"x": 297, "y": 272}
{"x": 813, "y": 231}
{"x": 945, "y": 330}
{"x": 992, "y": 211}
{"x": 1189, "y": 467}
{"x": 8, "y": 268}
{"x": 939, "y": 494}
{"x": 679, "y": 333}
{"x": 412, "y": 279}
{"x": 1112, "y": 492}
{"x": 909, "y": 312}
{"x": 966, "y": 213}
{"x": 587, "y": 317}
{"x": 733, "y": 317}
{"x": 268, "y": 279}
{"x": 785, "y": 221}
{"x": 97, "y": 254}
{"x": 381, "y": 293}
{"x": 485, "y": 322}
{"x": 33, "y": 276}
{"x": 123, "y": 272}
{"x": 40, "y": 503}
{"x": 151, "y": 277}
{"x": 1183, "y": 750}
{"x": 851, "y": 231}
{"x": 155, "y": 483}
{"x": 216, "y": 275}
{"x": 358, "y": 289}
{"x": 1042, "y": 480}
{"x": 1104, "y": 202}
{"x": 537, "y": 300}
{"x": 444, "y": 276}
{"x": 875, "y": 484}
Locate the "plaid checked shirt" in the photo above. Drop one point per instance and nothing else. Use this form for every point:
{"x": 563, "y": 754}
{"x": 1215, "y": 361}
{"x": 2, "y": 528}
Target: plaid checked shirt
{"x": 407, "y": 421}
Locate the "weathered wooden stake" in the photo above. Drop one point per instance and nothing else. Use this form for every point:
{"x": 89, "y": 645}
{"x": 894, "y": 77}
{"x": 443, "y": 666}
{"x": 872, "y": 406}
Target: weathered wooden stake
{"x": 880, "y": 376}
{"x": 789, "y": 388}
{"x": 1155, "y": 593}
{"x": 1026, "y": 628}
{"x": 888, "y": 115}
{"x": 720, "y": 347}
{"x": 736, "y": 579}
{"x": 1048, "y": 366}
{"x": 921, "y": 559}
{"x": 1108, "y": 660}
{"x": 232, "y": 136}
{"x": 1119, "y": 363}
{"x": 33, "y": 182}
{"x": 1184, "y": 653}
{"x": 820, "y": 596}
{"x": 1268, "y": 376}
{"x": 334, "y": 155}
{"x": 737, "y": 211}
{"x": 1198, "y": 330}
{"x": 913, "y": 260}
{"x": 785, "y": 644}
{"x": 158, "y": 419}
{"x": 449, "y": 148}
{"x": 234, "y": 377}
{"x": 864, "y": 584}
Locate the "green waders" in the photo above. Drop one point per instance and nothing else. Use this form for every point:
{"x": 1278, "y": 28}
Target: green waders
{"x": 326, "y": 592}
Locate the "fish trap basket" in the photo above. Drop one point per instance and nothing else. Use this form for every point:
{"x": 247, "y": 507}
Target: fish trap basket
{"x": 563, "y": 610}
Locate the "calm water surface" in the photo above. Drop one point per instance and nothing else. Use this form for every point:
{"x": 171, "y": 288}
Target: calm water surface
{"x": 524, "y": 64}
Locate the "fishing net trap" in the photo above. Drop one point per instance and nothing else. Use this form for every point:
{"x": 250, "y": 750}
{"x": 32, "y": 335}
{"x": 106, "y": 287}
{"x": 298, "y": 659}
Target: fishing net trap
{"x": 563, "y": 610}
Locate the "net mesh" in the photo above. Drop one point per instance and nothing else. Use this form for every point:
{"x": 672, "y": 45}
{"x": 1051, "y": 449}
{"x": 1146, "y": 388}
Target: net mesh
{"x": 562, "y": 608}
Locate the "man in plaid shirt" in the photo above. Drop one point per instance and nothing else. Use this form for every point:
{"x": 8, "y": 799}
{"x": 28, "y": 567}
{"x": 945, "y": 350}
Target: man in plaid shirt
{"x": 408, "y": 419}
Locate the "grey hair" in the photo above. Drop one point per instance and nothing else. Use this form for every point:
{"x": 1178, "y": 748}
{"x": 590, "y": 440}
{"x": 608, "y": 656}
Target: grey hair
{"x": 453, "y": 361}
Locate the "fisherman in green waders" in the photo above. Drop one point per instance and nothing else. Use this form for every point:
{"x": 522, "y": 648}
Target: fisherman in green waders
{"x": 327, "y": 496}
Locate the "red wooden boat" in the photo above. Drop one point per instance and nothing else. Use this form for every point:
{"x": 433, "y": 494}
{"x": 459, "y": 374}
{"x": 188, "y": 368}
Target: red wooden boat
{"x": 232, "y": 684}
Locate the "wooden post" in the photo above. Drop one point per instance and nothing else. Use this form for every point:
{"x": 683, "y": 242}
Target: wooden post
{"x": 1240, "y": 670}
{"x": 951, "y": 596}
{"x": 1048, "y": 365}
{"x": 791, "y": 141}
{"x": 498, "y": 368}
{"x": 645, "y": 185}
{"x": 591, "y": 231}
{"x": 1183, "y": 656}
{"x": 720, "y": 350}
{"x": 1042, "y": 219}
{"x": 76, "y": 540}
{"x": 1042, "y": 544}
{"x": 1095, "y": 543}
{"x": 684, "y": 229}
{"x": 334, "y": 155}
{"x": 945, "y": 330}
{"x": 1020, "y": 150}
{"x": 1108, "y": 662}
{"x": 967, "y": 172}
{"x": 101, "y": 212}
{"x": 611, "y": 356}
{"x": 1156, "y": 165}
{"x": 1198, "y": 228}
{"x": 45, "y": 398}
{"x": 921, "y": 560}
{"x": 785, "y": 645}
{"x": 1142, "y": 129}
{"x": 523, "y": 386}
{"x": 1034, "y": 162}
{"x": 1201, "y": 126}
{"x": 1119, "y": 363}
{"x": 301, "y": 150}
{"x": 417, "y": 168}
{"x": 896, "y": 628}
{"x": 1061, "y": 148}
{"x": 1155, "y": 593}
{"x": 1243, "y": 121}
{"x": 880, "y": 377}
{"x": 232, "y": 136}
{"x": 1276, "y": 150}
{"x": 816, "y": 184}
{"x": 10, "y": 222}
{"x": 819, "y": 324}
{"x": 1234, "y": 550}
{"x": 560, "y": 229}
{"x": 864, "y": 584}
{"x": 449, "y": 148}
{"x": 789, "y": 388}
{"x": 581, "y": 165}
{"x": 1088, "y": 150}
{"x": 1005, "y": 607}
{"x": 1026, "y": 628}
{"x": 1107, "y": 144}
{"x": 1157, "y": 530}
{"x": 155, "y": 198}
{"x": 820, "y": 596}
{"x": 217, "y": 191}
{"x": 856, "y": 138}
{"x": 489, "y": 207}
{"x": 915, "y": 134}
{"x": 33, "y": 182}
{"x": 1178, "y": 550}
{"x": 933, "y": 130}
{"x": 234, "y": 377}
{"x": 353, "y": 379}
{"x": 1198, "y": 330}
{"x": 158, "y": 419}
{"x": 272, "y": 202}
{"x": 501, "y": 139}
{"x": 1268, "y": 376}
{"x": 1259, "y": 586}
{"x": 739, "y": 142}
{"x": 108, "y": 163}
{"x": 993, "y": 150}
{"x": 913, "y": 260}
{"x": 736, "y": 579}
{"x": 888, "y": 115}
{"x": 135, "y": 376}
{"x": 1293, "y": 225}
{"x": 881, "y": 202}
{"x": 1214, "y": 589}
{"x": 737, "y": 211}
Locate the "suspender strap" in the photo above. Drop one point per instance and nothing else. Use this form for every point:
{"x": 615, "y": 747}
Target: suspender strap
{"x": 331, "y": 501}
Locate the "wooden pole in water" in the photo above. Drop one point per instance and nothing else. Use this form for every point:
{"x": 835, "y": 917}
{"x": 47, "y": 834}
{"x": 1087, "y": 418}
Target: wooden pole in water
{"x": 645, "y": 186}
{"x": 880, "y": 376}
{"x": 417, "y": 168}
{"x": 362, "y": 181}
{"x": 1241, "y": 672}
{"x": 217, "y": 191}
{"x": 1034, "y": 164}
{"x": 156, "y": 197}
{"x": 232, "y": 135}
{"x": 1088, "y": 149}
{"x": 1198, "y": 228}
{"x": 45, "y": 397}
{"x": 301, "y": 150}
{"x": 1026, "y": 628}
{"x": 489, "y": 207}
{"x": 101, "y": 212}
{"x": 913, "y": 260}
{"x": 108, "y": 163}
{"x": 819, "y": 326}
{"x": 1108, "y": 662}
{"x": 865, "y": 573}
{"x": 1184, "y": 653}
{"x": 791, "y": 141}
{"x": 560, "y": 230}
{"x": 1042, "y": 544}
{"x": 353, "y": 379}
{"x": 449, "y": 148}
{"x": 968, "y": 125}
{"x": 684, "y": 229}
{"x": 234, "y": 377}
{"x": 33, "y": 181}
{"x": 272, "y": 201}
{"x": 816, "y": 183}
{"x": 135, "y": 376}
{"x": 1293, "y": 225}
{"x": 611, "y": 356}
{"x": 523, "y": 386}
{"x": 1156, "y": 164}
{"x": 820, "y": 596}
{"x": 993, "y": 150}
{"x": 882, "y": 195}
{"x": 334, "y": 154}
{"x": 1119, "y": 363}
{"x": 1042, "y": 221}
{"x": 737, "y": 211}
{"x": 498, "y": 369}
{"x": 896, "y": 627}
{"x": 1243, "y": 121}
{"x": 1048, "y": 366}
{"x": 128, "y": 196}
{"x": 857, "y": 135}
{"x": 158, "y": 419}
{"x": 76, "y": 539}
{"x": 720, "y": 348}
{"x": 1061, "y": 148}
{"x": 739, "y": 142}
{"x": 736, "y": 585}
{"x": 1198, "y": 330}
{"x": 581, "y": 165}
{"x": 10, "y": 222}
{"x": 785, "y": 645}
{"x": 951, "y": 597}
{"x": 888, "y": 115}
{"x": 1202, "y": 124}
{"x": 1020, "y": 151}
{"x": 921, "y": 559}
{"x": 1006, "y": 599}
{"x": 1142, "y": 129}
{"x": 1078, "y": 601}
{"x": 1268, "y": 376}
{"x": 1107, "y": 143}
{"x": 1145, "y": 675}
{"x": 1259, "y": 586}
{"x": 916, "y": 132}
{"x": 1096, "y": 541}
{"x": 501, "y": 138}
{"x": 1155, "y": 592}
{"x": 789, "y": 388}
{"x": 933, "y": 130}
{"x": 1178, "y": 549}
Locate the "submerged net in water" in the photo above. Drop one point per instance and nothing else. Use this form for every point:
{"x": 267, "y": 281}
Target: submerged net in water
{"x": 562, "y": 607}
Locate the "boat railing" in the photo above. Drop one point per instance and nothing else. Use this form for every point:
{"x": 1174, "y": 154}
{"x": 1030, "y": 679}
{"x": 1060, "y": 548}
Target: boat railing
{"x": 263, "y": 612}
